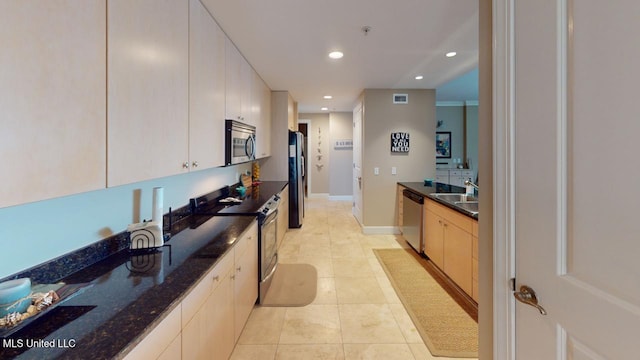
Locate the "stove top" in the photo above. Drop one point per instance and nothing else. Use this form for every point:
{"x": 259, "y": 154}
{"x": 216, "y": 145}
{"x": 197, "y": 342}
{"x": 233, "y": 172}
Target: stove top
{"x": 258, "y": 200}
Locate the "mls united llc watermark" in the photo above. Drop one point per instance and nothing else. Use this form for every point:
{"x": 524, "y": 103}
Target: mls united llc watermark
{"x": 38, "y": 343}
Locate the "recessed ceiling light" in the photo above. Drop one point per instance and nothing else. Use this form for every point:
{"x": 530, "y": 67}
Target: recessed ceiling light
{"x": 336, "y": 55}
{"x": 324, "y": 108}
{"x": 451, "y": 54}
{"x": 419, "y": 77}
{"x": 328, "y": 97}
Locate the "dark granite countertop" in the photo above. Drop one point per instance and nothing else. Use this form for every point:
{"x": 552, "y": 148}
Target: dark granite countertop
{"x": 125, "y": 295}
{"x": 128, "y": 294}
{"x": 427, "y": 191}
{"x": 255, "y": 197}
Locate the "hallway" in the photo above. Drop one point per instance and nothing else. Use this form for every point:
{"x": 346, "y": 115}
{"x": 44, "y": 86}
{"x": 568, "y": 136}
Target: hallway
{"x": 356, "y": 313}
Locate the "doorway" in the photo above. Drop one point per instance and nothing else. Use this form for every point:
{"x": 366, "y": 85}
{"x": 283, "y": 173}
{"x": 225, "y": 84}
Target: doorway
{"x": 303, "y": 127}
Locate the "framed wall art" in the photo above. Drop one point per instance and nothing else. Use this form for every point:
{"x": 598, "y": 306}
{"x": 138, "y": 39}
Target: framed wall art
{"x": 443, "y": 144}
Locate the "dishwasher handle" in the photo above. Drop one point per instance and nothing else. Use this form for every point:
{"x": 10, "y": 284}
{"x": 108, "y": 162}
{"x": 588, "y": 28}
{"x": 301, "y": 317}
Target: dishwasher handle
{"x": 413, "y": 196}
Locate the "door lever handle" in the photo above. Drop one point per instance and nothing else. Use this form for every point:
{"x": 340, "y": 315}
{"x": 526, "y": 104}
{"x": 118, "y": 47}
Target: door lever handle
{"x": 526, "y": 295}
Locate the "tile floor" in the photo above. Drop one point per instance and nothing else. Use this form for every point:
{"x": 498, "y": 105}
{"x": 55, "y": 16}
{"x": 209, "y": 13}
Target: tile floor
{"x": 356, "y": 313}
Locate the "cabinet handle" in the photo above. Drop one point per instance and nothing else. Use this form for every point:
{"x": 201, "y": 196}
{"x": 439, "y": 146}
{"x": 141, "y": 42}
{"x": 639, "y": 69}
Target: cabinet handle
{"x": 195, "y": 164}
{"x": 239, "y": 268}
{"x": 185, "y": 164}
{"x": 232, "y": 277}
{"x": 216, "y": 278}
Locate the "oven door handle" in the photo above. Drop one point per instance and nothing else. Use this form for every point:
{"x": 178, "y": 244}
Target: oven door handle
{"x": 273, "y": 216}
{"x": 273, "y": 270}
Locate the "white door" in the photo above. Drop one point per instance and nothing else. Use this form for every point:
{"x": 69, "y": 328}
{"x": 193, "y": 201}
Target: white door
{"x": 576, "y": 229}
{"x": 357, "y": 162}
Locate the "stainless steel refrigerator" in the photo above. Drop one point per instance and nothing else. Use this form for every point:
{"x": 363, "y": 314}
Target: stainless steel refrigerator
{"x": 296, "y": 179}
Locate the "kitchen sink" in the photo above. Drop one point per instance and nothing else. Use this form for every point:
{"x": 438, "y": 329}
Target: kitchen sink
{"x": 471, "y": 206}
{"x": 455, "y": 198}
{"x": 464, "y": 202}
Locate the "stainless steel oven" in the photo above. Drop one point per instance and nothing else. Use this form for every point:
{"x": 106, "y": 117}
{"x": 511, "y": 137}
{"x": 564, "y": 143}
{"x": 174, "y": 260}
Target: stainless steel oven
{"x": 267, "y": 244}
{"x": 268, "y": 252}
{"x": 240, "y": 142}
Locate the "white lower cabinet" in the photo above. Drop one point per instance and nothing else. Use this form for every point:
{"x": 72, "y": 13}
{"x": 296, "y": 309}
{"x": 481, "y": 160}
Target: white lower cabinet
{"x": 453, "y": 176}
{"x": 208, "y": 322}
{"x": 173, "y": 351}
{"x": 245, "y": 280}
{"x": 161, "y": 340}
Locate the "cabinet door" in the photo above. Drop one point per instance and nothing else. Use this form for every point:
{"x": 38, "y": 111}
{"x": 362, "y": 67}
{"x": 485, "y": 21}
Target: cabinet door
{"x": 434, "y": 238}
{"x": 148, "y": 59}
{"x": 52, "y": 96}
{"x": 458, "y": 256}
{"x": 261, "y": 98}
{"x": 246, "y": 278}
{"x": 221, "y": 321}
{"x": 474, "y": 264}
{"x": 206, "y": 89}
{"x": 161, "y": 339}
{"x": 196, "y": 337}
{"x": 238, "y": 85}
{"x": 174, "y": 351}
{"x": 442, "y": 176}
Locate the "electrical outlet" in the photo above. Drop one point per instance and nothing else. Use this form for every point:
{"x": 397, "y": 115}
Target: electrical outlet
{"x": 376, "y": 171}
{"x": 394, "y": 171}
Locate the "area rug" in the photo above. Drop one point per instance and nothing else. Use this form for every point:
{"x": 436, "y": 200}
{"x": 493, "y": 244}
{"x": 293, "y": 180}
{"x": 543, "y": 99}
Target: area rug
{"x": 445, "y": 327}
{"x": 292, "y": 285}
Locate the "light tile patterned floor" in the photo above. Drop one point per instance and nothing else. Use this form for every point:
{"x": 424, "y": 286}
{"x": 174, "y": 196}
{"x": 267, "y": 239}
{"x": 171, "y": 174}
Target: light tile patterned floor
{"x": 356, "y": 313}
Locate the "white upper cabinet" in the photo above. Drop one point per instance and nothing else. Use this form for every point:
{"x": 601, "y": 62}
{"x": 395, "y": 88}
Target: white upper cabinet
{"x": 239, "y": 76}
{"x": 261, "y": 112}
{"x": 148, "y": 88}
{"x": 206, "y": 89}
{"x": 52, "y": 99}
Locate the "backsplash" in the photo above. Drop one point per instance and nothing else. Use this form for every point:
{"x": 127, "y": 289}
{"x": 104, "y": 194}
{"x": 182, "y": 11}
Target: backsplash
{"x": 48, "y": 231}
{"x": 56, "y": 269}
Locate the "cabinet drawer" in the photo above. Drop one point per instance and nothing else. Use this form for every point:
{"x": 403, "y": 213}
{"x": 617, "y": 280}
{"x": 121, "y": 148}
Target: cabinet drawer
{"x": 243, "y": 243}
{"x": 194, "y": 300}
{"x": 456, "y": 218}
{"x": 221, "y": 269}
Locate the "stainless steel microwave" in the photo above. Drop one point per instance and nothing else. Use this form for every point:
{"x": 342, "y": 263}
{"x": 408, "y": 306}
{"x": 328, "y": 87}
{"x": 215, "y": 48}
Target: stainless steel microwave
{"x": 240, "y": 142}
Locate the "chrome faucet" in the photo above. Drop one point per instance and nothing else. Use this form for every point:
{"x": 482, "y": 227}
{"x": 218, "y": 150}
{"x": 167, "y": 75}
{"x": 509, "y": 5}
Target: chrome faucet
{"x": 469, "y": 182}
{"x": 471, "y": 188}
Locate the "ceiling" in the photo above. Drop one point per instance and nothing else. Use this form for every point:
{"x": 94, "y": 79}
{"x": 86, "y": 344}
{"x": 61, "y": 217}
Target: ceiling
{"x": 288, "y": 41}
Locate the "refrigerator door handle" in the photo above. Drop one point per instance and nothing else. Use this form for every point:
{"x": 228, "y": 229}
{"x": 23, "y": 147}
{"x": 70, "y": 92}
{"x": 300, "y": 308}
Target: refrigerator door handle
{"x": 302, "y": 163}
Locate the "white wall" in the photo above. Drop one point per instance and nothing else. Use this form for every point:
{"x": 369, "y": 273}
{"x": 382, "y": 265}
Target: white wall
{"x": 452, "y": 118}
{"x": 462, "y": 120}
{"x": 34, "y": 233}
{"x": 381, "y": 118}
{"x": 341, "y": 160}
{"x": 318, "y": 138}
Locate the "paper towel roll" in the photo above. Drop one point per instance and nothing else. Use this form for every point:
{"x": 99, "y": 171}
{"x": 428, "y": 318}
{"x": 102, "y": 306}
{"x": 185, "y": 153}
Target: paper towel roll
{"x": 158, "y": 199}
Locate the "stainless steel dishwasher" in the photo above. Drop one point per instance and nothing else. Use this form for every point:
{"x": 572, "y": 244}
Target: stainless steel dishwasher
{"x": 412, "y": 228}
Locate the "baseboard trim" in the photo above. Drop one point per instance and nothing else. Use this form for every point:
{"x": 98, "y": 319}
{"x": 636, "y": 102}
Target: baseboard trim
{"x": 318, "y": 196}
{"x": 380, "y": 230}
{"x": 340, "y": 197}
